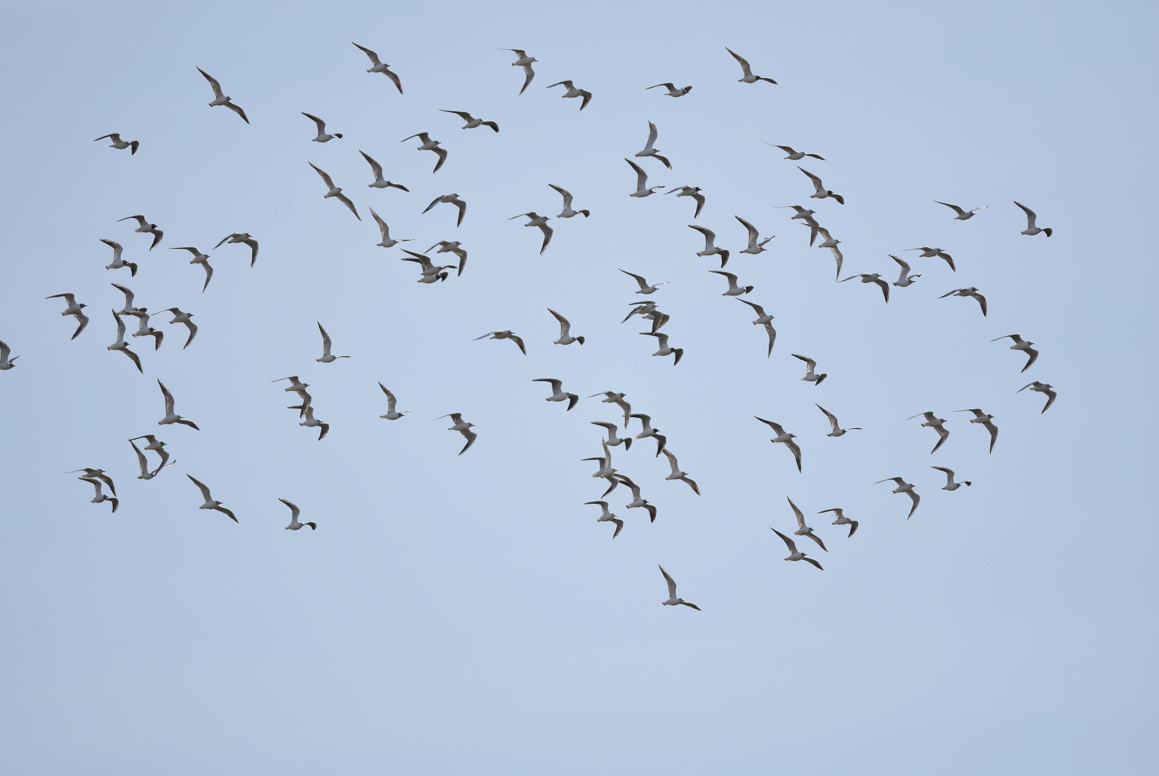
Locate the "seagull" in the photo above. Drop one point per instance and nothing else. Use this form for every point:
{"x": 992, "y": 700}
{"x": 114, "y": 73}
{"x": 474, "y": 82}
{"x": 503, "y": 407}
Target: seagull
{"x": 906, "y": 278}
{"x": 170, "y": 416}
{"x": 688, "y": 191}
{"x": 950, "y": 484}
{"x": 963, "y": 215}
{"x": 378, "y": 67}
{"x": 121, "y": 345}
{"x": 128, "y": 309}
{"x": 821, "y": 192}
{"x": 929, "y": 253}
{"x": 567, "y": 211}
{"x": 665, "y": 350}
{"x": 638, "y": 502}
{"x": 379, "y": 181}
{"x": 144, "y": 227}
{"x": 733, "y": 288}
{"x": 802, "y": 213}
{"x": 565, "y": 337}
{"x": 794, "y": 155}
{"x": 749, "y": 78}
{"x": 523, "y": 61}
{"x": 677, "y": 474}
{"x": 831, "y": 244}
{"x": 322, "y": 137}
{"x": 219, "y": 97}
{"x": 710, "y": 248}
{"x": 294, "y": 512}
{"x": 613, "y": 440}
{"x": 653, "y": 133}
{"x": 209, "y": 502}
{"x": 391, "y": 402}
{"x": 837, "y": 430}
{"x": 611, "y": 397}
{"x": 312, "y": 422}
{"x": 117, "y": 262}
{"x": 557, "y": 392}
{"x": 431, "y": 273}
{"x": 661, "y": 440}
{"x": 804, "y": 530}
{"x": 334, "y": 192}
{"x": 121, "y": 145}
{"x": 605, "y": 471}
{"x": 429, "y": 145}
{"x": 641, "y": 308}
{"x": 541, "y": 222}
{"x": 506, "y": 334}
{"x": 906, "y": 488}
{"x": 755, "y": 245}
{"x": 672, "y": 599}
{"x": 326, "y": 343}
{"x": 784, "y": 438}
{"x": 794, "y": 553}
{"x": 1023, "y": 345}
{"x": 295, "y": 386}
{"x": 765, "y": 320}
{"x": 180, "y": 317}
{"x": 984, "y": 419}
{"x": 145, "y": 473}
{"x": 73, "y": 309}
{"x": 96, "y": 474}
{"x": 455, "y": 248}
{"x": 935, "y": 423}
{"x": 644, "y": 287}
{"x": 101, "y": 497}
{"x": 573, "y": 92}
{"x": 1031, "y": 228}
{"x": 872, "y": 278}
{"x": 810, "y": 375}
{"x": 202, "y": 259}
{"x": 642, "y": 189}
{"x": 387, "y": 242}
{"x": 158, "y": 447}
{"x": 472, "y": 122}
{"x": 307, "y": 403}
{"x": 6, "y": 363}
{"x": 972, "y": 291}
{"x": 452, "y": 199}
{"x": 1046, "y": 388}
{"x": 607, "y": 517}
{"x": 672, "y": 90}
{"x": 841, "y": 519}
{"x": 244, "y": 237}
{"x": 144, "y": 329}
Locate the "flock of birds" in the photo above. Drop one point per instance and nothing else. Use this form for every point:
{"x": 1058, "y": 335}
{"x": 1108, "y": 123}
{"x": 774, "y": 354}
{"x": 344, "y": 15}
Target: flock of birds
{"x": 431, "y": 273}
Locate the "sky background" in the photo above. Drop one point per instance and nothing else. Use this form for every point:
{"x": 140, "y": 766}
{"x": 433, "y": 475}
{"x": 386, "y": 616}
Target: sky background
{"x": 467, "y": 614}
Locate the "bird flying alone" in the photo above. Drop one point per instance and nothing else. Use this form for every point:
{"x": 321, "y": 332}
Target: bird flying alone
{"x": 1044, "y": 388}
{"x": 119, "y": 144}
{"x": 378, "y": 67}
{"x": 748, "y": 78}
{"x": 572, "y": 91}
{"x": 220, "y": 99}
{"x": 523, "y": 61}
{"x": 429, "y": 145}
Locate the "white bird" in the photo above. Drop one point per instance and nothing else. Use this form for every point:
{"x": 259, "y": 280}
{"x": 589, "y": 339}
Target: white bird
{"x": 638, "y": 501}
{"x": 661, "y": 440}
{"x": 665, "y": 349}
{"x": 335, "y": 192}
{"x": 379, "y": 181}
{"x": 506, "y": 334}
{"x": 387, "y": 242}
{"x": 220, "y": 99}
{"x": 541, "y": 222}
{"x": 672, "y": 90}
{"x": 643, "y": 309}
{"x": 119, "y": 144}
{"x": 144, "y": 329}
{"x": 672, "y": 599}
{"x": 794, "y": 155}
{"x": 312, "y": 422}
{"x": 391, "y": 403}
{"x": 934, "y": 422}
{"x": 802, "y": 213}
{"x": 972, "y": 291}
{"x": 929, "y": 253}
{"x": 733, "y": 288}
{"x": 906, "y": 278}
{"x": 841, "y": 519}
{"x": 710, "y": 248}
{"x": 565, "y": 337}
{"x": 784, "y": 438}
{"x": 689, "y": 191}
{"x": 677, "y": 474}
{"x": 121, "y": 345}
{"x": 794, "y": 553}
{"x": 606, "y": 471}
{"x": 567, "y": 211}
{"x": 963, "y": 215}
{"x": 1046, "y": 388}
{"x": 950, "y": 484}
{"x": 645, "y": 288}
{"x": 1031, "y": 228}
{"x": 523, "y": 61}
{"x": 378, "y": 67}
{"x": 906, "y": 488}
{"x": 653, "y": 133}
{"x": 831, "y": 243}
{"x": 101, "y": 497}
{"x": 323, "y": 136}
{"x": 574, "y": 92}
{"x": 128, "y": 309}
{"x": 144, "y": 464}
{"x": 451, "y": 199}
{"x": 199, "y": 258}
{"x": 749, "y": 78}
{"x": 295, "y": 386}
{"x": 118, "y": 263}
{"x": 96, "y": 474}
{"x": 611, "y": 397}
{"x": 810, "y": 375}
{"x": 763, "y": 319}
{"x": 820, "y": 192}
{"x": 472, "y": 122}
{"x": 874, "y": 277}
{"x": 326, "y": 344}
{"x": 804, "y": 530}
{"x": 1023, "y": 345}
{"x": 158, "y": 447}
{"x": 557, "y": 392}
{"x": 144, "y": 227}
{"x": 6, "y": 363}
{"x": 455, "y": 248}
{"x": 170, "y": 416}
{"x": 607, "y": 517}
{"x": 985, "y": 420}
{"x": 180, "y": 317}
{"x": 837, "y": 430}
{"x": 75, "y": 310}
{"x": 430, "y": 272}
{"x": 613, "y": 440}
{"x": 756, "y": 245}
{"x": 294, "y": 512}
{"x": 429, "y": 145}
{"x": 209, "y": 502}
{"x": 642, "y": 188}
{"x": 246, "y": 239}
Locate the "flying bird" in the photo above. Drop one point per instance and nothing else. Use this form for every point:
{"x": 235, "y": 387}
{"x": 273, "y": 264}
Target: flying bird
{"x": 75, "y": 310}
{"x": 963, "y": 215}
{"x": 613, "y": 440}
{"x": 391, "y": 403}
{"x": 219, "y": 97}
{"x": 611, "y": 397}
{"x": 872, "y": 278}
{"x": 294, "y": 512}
{"x": 906, "y": 279}
{"x": 793, "y": 154}
{"x": 837, "y": 430}
{"x": 121, "y": 345}
{"x": 677, "y": 474}
{"x": 557, "y": 392}
{"x": 950, "y": 484}
{"x": 119, "y": 144}
{"x": 6, "y": 363}
{"x": 756, "y": 245}
{"x": 472, "y": 122}
{"x": 1046, "y": 388}
{"x": 144, "y": 227}
{"x": 763, "y": 319}
{"x": 574, "y": 92}
{"x": 645, "y": 288}
{"x": 906, "y": 488}
{"x": 567, "y": 209}
{"x": 170, "y": 416}
{"x": 672, "y": 599}
{"x": 429, "y": 145}
{"x": 733, "y": 288}
{"x": 91, "y": 474}
{"x": 638, "y": 501}
{"x": 462, "y": 427}
{"x": 384, "y": 230}
{"x": 323, "y": 136}
{"x": 101, "y": 497}
{"x": 606, "y": 471}
{"x": 689, "y": 191}
{"x": 180, "y": 317}
{"x": 665, "y": 349}
{"x": 804, "y": 530}
{"x": 710, "y": 248}
{"x": 1031, "y": 228}
{"x": 378, "y": 67}
{"x": 820, "y": 191}
{"x": 118, "y": 263}
{"x": 158, "y": 447}
{"x": 672, "y": 90}
{"x": 607, "y": 517}
{"x": 784, "y": 438}
{"x": 523, "y": 61}
{"x": 451, "y": 199}
{"x": 144, "y": 329}
{"x": 985, "y": 420}
{"x": 661, "y": 440}
{"x": 246, "y": 239}
{"x": 209, "y": 502}
{"x": 929, "y": 253}
{"x": 1023, "y": 345}
{"x": 565, "y": 337}
{"x": 506, "y": 334}
{"x": 326, "y": 344}
{"x": 455, "y": 248}
{"x": 841, "y": 519}
{"x": 335, "y": 192}
{"x": 431, "y": 273}
{"x": 311, "y": 421}
{"x": 653, "y": 133}
{"x": 202, "y": 259}
{"x": 810, "y": 374}
{"x": 642, "y": 188}
{"x": 379, "y": 181}
{"x": 541, "y": 222}
{"x": 794, "y": 553}
{"x": 934, "y": 422}
{"x": 144, "y": 463}
{"x": 749, "y": 78}
{"x": 972, "y": 291}
{"x": 831, "y": 243}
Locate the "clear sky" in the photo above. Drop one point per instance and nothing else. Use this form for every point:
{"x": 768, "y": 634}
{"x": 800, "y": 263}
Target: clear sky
{"x": 466, "y": 614}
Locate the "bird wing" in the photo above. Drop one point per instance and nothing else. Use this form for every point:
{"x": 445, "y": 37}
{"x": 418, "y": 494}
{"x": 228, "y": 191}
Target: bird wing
{"x": 226, "y": 512}
{"x": 436, "y": 201}
{"x": 671, "y": 460}
{"x": 345, "y": 200}
{"x": 471, "y": 436}
{"x": 294, "y": 511}
{"x": 168, "y": 399}
{"x": 375, "y": 167}
{"x": 797, "y": 512}
{"x": 754, "y": 235}
{"x": 671, "y": 583}
{"x": 442, "y": 154}
{"x": 201, "y": 485}
{"x": 326, "y": 342}
{"x": 369, "y": 53}
{"x": 916, "y": 499}
{"x": 955, "y": 208}
{"x": 744, "y": 63}
{"x": 213, "y": 83}
{"x": 325, "y": 177}
{"x": 564, "y": 325}
{"x": 321, "y": 124}
{"x": 817, "y": 539}
{"x": 394, "y": 79}
{"x": 796, "y": 452}
{"x": 884, "y": 288}
{"x": 776, "y": 426}
{"x": 1030, "y": 216}
{"x": 788, "y": 542}
{"x": 653, "y": 133}
{"x": 518, "y": 341}
{"x": 816, "y": 181}
{"x": 831, "y": 416}
{"x": 981, "y": 302}
{"x": 808, "y": 361}
{"x": 641, "y": 176}
{"x": 566, "y": 196}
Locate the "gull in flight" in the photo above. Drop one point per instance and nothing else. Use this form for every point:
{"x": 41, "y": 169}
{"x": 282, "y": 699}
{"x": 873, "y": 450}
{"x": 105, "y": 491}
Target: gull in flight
{"x": 749, "y": 78}
{"x": 144, "y": 329}
{"x": 872, "y": 278}
{"x": 672, "y": 90}
{"x": 121, "y": 345}
{"x": 505, "y": 334}
{"x": 379, "y": 181}
{"x": 664, "y": 350}
{"x": 119, "y": 144}
{"x": 950, "y": 484}
{"x": 378, "y": 67}
{"x": 810, "y": 375}
{"x": 145, "y": 473}
{"x": 96, "y": 474}
{"x": 523, "y": 61}
{"x": 794, "y": 155}
{"x": 219, "y": 97}
{"x": 128, "y": 309}
{"x": 972, "y": 291}
{"x": 821, "y": 192}
{"x": 170, "y": 416}
{"x": 209, "y": 502}
{"x": 611, "y": 397}
{"x": 784, "y": 438}
{"x": 642, "y": 188}
{"x": 677, "y": 474}
{"x": 837, "y": 430}
{"x": 431, "y": 273}
{"x": 199, "y": 258}
{"x": 645, "y": 288}
{"x": 144, "y": 227}
{"x": 6, "y": 363}
{"x": 841, "y": 519}
{"x": 294, "y": 512}
{"x": 101, "y": 497}
{"x": 1046, "y": 388}
{"x": 906, "y": 488}
{"x": 73, "y": 309}
{"x": 326, "y": 344}
{"x": 1023, "y": 345}
{"x": 335, "y": 192}
{"x": 643, "y": 309}
{"x": 831, "y": 244}
{"x": 605, "y": 471}
{"x": 180, "y": 317}
{"x": 694, "y": 192}
{"x": 311, "y": 421}
{"x": 802, "y": 213}
{"x": 963, "y": 215}
{"x": 934, "y": 422}
{"x": 733, "y": 288}
{"x": 1031, "y": 228}
{"x": 638, "y": 502}
{"x": 985, "y": 420}
{"x": 295, "y": 386}
{"x": 756, "y": 245}
{"x": 117, "y": 262}
{"x": 672, "y": 599}
{"x": 158, "y": 447}
{"x": 307, "y": 402}
{"x": 429, "y": 145}
{"x": 557, "y": 392}
{"x": 574, "y": 92}
{"x": 763, "y": 319}
{"x": 613, "y": 440}
{"x": 565, "y": 337}
{"x": 541, "y": 222}
{"x": 710, "y": 248}
{"x": 323, "y": 136}
{"x": 661, "y": 440}
{"x": 653, "y": 133}
{"x": 455, "y": 248}
{"x": 452, "y": 199}
{"x": 245, "y": 238}
{"x": 391, "y": 403}
{"x": 387, "y": 242}
{"x": 906, "y": 278}
{"x": 794, "y": 553}
{"x": 472, "y": 122}
{"x": 929, "y": 253}
{"x": 804, "y": 530}
{"x": 567, "y": 210}
{"x": 607, "y": 517}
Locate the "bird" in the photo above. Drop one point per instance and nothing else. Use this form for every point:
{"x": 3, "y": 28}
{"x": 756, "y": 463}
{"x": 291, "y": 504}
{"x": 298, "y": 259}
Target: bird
{"x": 220, "y": 99}
{"x": 557, "y": 392}
{"x": 611, "y": 397}
{"x": 929, "y": 253}
{"x": 335, "y": 192}
{"x": 906, "y": 488}
{"x": 606, "y": 471}
{"x": 963, "y": 215}
{"x": 665, "y": 350}
{"x": 785, "y": 438}
{"x": 323, "y": 136}
{"x": 294, "y": 512}
{"x": 763, "y": 319}
{"x": 645, "y": 288}
{"x": 101, "y": 497}
{"x": 672, "y": 598}
{"x": 326, "y": 344}
{"x": 141, "y": 460}
{"x": 199, "y": 258}
{"x": 972, "y": 291}
{"x": 906, "y": 278}
{"x": 121, "y": 345}
{"x": 429, "y": 145}
{"x": 431, "y": 273}
{"x": 156, "y": 446}
{"x": 613, "y": 440}
{"x": 209, "y": 502}
{"x": 1023, "y": 345}
{"x": 802, "y": 213}
{"x": 391, "y": 402}
{"x": 387, "y": 242}
{"x": 246, "y": 239}
{"x": 672, "y": 90}
{"x": 1031, "y": 228}
{"x": 638, "y": 502}
{"x": 378, "y": 67}
{"x": 841, "y": 519}
{"x": 643, "y": 309}
{"x": 985, "y": 420}
{"x": 820, "y": 191}
{"x": 311, "y": 421}
{"x": 810, "y": 375}
{"x": 541, "y": 222}
{"x": 733, "y": 288}
{"x": 749, "y": 78}
{"x": 128, "y": 309}
{"x": 574, "y": 92}
{"x": 653, "y": 133}
{"x": 523, "y": 61}
{"x": 831, "y": 244}
{"x": 295, "y": 385}
{"x": 6, "y": 363}
{"x": 934, "y": 422}
{"x": 506, "y": 334}
{"x": 689, "y": 191}
{"x": 756, "y": 245}
{"x": 119, "y": 144}
{"x": 75, "y": 310}
{"x": 170, "y": 416}
{"x": 642, "y": 188}
{"x": 710, "y": 248}
{"x": 794, "y": 553}
{"x": 451, "y": 199}
{"x": 144, "y": 227}
{"x": 804, "y": 530}
{"x": 950, "y": 484}
{"x": 455, "y": 248}
{"x": 677, "y": 474}
{"x": 118, "y": 263}
{"x": 567, "y": 209}
{"x": 472, "y": 122}
{"x": 661, "y": 440}
{"x": 1046, "y": 388}
{"x": 379, "y": 181}
{"x": 607, "y": 517}
{"x": 96, "y": 474}
{"x": 794, "y": 155}
{"x": 180, "y": 317}
{"x": 837, "y": 430}
{"x": 872, "y": 278}
{"x": 144, "y": 329}
{"x": 565, "y": 337}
